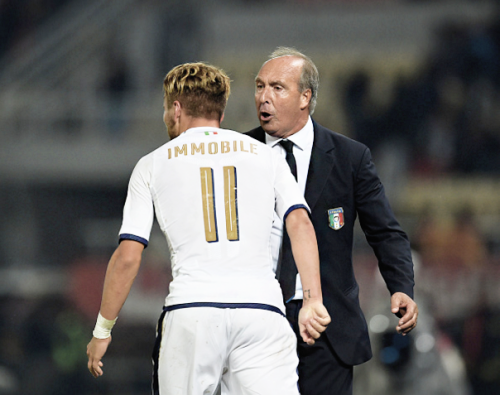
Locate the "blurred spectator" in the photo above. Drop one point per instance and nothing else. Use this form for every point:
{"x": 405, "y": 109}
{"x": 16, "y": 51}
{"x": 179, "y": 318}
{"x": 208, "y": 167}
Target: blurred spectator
{"x": 444, "y": 119}
{"x": 467, "y": 246}
{"x": 451, "y": 246}
{"x": 460, "y": 282}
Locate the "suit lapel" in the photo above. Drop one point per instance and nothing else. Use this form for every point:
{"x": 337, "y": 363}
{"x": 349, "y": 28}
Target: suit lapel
{"x": 320, "y": 166}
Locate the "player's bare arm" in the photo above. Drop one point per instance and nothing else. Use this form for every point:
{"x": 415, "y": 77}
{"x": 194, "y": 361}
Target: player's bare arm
{"x": 313, "y": 317}
{"x": 120, "y": 274}
{"x": 405, "y": 308}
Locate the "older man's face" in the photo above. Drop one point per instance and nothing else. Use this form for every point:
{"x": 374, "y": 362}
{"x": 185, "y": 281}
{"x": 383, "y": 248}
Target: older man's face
{"x": 281, "y": 108}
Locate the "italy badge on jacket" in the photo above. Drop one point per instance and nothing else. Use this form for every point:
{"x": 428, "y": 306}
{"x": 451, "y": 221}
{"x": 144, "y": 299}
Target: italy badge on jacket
{"x": 336, "y": 218}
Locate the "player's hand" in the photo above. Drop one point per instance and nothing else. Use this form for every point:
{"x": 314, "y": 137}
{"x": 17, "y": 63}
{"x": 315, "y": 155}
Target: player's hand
{"x": 313, "y": 320}
{"x": 95, "y": 351}
{"x": 407, "y": 311}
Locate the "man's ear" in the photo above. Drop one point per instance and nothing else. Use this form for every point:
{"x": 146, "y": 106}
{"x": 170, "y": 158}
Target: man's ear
{"x": 221, "y": 118}
{"x": 177, "y": 109}
{"x": 305, "y": 98}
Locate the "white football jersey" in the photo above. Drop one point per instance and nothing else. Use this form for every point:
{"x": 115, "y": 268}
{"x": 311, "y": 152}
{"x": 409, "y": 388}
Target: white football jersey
{"x": 214, "y": 193}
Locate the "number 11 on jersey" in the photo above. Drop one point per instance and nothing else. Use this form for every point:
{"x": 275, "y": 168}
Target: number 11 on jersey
{"x": 230, "y": 203}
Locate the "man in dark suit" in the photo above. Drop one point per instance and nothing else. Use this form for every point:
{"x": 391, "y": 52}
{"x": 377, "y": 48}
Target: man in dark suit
{"x": 340, "y": 183}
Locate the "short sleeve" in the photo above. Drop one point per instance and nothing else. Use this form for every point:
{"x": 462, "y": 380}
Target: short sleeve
{"x": 287, "y": 191}
{"x": 138, "y": 212}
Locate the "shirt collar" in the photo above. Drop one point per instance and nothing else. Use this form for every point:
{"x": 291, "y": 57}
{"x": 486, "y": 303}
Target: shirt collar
{"x": 201, "y": 129}
{"x": 302, "y": 139}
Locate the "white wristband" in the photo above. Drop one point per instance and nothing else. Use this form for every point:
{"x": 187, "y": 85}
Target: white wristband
{"x": 103, "y": 327}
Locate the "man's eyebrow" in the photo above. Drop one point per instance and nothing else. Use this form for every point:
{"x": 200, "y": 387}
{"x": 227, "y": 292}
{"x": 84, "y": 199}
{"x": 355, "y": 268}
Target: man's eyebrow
{"x": 272, "y": 83}
{"x": 278, "y": 83}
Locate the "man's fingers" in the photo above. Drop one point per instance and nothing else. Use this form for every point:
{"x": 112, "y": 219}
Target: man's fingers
{"x": 324, "y": 320}
{"x": 312, "y": 330}
{"x": 399, "y": 303}
{"x": 92, "y": 370}
{"x": 405, "y": 319}
{"x": 317, "y": 325}
{"x": 95, "y": 368}
{"x": 409, "y": 320}
{"x": 406, "y": 309}
{"x": 405, "y": 331}
{"x": 405, "y": 327}
{"x": 307, "y": 338}
{"x": 321, "y": 318}
{"x": 304, "y": 334}
{"x": 97, "y": 371}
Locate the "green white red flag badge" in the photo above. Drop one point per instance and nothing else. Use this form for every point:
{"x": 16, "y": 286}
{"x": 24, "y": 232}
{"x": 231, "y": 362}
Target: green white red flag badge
{"x": 336, "y": 218}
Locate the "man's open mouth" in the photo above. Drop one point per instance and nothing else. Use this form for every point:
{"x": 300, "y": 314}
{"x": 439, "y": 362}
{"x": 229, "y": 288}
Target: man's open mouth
{"x": 265, "y": 116}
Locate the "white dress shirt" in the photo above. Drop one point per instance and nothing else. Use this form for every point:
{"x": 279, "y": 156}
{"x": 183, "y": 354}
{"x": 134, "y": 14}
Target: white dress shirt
{"x": 303, "y": 142}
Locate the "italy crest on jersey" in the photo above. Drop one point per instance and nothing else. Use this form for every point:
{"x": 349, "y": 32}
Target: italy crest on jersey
{"x": 336, "y": 218}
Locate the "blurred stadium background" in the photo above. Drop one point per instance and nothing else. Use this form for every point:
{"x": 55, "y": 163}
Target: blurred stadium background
{"x": 81, "y": 102}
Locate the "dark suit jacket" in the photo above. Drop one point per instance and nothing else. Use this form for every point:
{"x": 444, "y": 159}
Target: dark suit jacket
{"x": 342, "y": 175}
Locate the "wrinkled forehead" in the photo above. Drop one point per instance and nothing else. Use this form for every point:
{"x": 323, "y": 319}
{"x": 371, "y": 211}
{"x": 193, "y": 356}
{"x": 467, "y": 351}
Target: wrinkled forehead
{"x": 283, "y": 68}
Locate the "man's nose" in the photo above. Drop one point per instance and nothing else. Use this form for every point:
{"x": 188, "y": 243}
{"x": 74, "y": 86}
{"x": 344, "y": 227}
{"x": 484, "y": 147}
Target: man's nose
{"x": 263, "y": 95}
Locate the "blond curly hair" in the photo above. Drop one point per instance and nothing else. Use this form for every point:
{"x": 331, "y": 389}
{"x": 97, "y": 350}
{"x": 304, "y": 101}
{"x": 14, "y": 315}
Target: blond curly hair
{"x": 202, "y": 89}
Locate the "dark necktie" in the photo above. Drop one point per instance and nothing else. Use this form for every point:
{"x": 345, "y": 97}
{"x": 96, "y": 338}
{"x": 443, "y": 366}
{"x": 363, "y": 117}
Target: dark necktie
{"x": 288, "y": 146}
{"x": 287, "y": 270}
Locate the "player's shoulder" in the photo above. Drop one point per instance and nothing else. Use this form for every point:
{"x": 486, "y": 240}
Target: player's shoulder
{"x": 251, "y": 140}
{"x": 149, "y": 157}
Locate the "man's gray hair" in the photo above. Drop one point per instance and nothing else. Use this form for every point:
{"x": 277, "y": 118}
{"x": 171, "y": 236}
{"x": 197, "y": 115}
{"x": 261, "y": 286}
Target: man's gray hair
{"x": 309, "y": 78}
